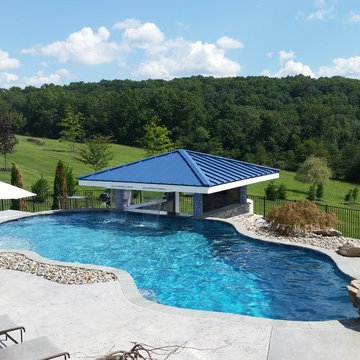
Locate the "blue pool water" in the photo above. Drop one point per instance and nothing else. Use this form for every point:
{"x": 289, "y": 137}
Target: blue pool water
{"x": 194, "y": 264}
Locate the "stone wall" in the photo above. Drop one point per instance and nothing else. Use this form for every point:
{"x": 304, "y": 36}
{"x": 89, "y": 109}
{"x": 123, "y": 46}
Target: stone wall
{"x": 232, "y": 210}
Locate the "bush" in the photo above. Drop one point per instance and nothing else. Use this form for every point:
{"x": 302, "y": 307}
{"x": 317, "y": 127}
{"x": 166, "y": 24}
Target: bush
{"x": 71, "y": 181}
{"x": 297, "y": 218}
{"x": 348, "y": 196}
{"x": 312, "y": 193}
{"x": 319, "y": 191}
{"x": 42, "y": 189}
{"x": 281, "y": 192}
{"x": 355, "y": 194}
{"x": 271, "y": 191}
{"x": 17, "y": 180}
{"x": 60, "y": 188}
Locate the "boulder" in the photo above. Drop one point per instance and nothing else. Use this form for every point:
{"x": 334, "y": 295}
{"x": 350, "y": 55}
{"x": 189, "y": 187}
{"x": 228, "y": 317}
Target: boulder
{"x": 327, "y": 232}
{"x": 354, "y": 293}
{"x": 349, "y": 250}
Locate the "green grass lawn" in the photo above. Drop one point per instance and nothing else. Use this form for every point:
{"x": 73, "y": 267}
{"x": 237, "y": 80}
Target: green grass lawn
{"x": 35, "y": 160}
{"x": 334, "y": 190}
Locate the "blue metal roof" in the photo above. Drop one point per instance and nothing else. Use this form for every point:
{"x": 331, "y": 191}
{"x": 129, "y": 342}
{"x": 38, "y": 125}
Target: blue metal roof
{"x": 182, "y": 167}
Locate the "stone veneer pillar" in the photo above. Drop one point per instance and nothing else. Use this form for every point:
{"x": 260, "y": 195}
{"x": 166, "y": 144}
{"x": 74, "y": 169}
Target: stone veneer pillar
{"x": 198, "y": 205}
{"x": 242, "y": 194}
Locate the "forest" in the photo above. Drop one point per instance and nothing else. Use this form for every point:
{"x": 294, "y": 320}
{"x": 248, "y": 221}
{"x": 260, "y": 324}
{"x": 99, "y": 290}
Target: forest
{"x": 270, "y": 121}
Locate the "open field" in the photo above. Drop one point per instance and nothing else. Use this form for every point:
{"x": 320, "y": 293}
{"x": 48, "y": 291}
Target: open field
{"x": 35, "y": 160}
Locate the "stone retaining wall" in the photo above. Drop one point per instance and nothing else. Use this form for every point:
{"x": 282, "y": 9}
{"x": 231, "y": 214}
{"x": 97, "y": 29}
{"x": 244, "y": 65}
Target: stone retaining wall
{"x": 231, "y": 210}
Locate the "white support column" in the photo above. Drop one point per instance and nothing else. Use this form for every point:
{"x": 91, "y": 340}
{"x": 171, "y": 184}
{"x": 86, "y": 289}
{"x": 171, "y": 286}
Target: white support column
{"x": 177, "y": 203}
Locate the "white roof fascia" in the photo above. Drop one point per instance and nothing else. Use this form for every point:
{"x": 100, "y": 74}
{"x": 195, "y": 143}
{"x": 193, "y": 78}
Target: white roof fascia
{"x": 144, "y": 186}
{"x": 176, "y": 188}
{"x": 239, "y": 183}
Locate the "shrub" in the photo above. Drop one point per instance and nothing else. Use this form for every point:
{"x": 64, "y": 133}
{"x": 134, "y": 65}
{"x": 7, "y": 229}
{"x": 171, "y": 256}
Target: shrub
{"x": 71, "y": 181}
{"x": 271, "y": 192}
{"x": 281, "y": 192}
{"x": 355, "y": 194}
{"x": 312, "y": 193}
{"x": 296, "y": 218}
{"x": 60, "y": 189}
{"x": 348, "y": 196}
{"x": 17, "y": 180}
{"x": 41, "y": 188}
{"x": 319, "y": 191}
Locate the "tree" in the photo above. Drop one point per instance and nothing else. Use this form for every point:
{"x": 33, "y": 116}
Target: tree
{"x": 42, "y": 189}
{"x": 156, "y": 138}
{"x": 97, "y": 152}
{"x": 314, "y": 171}
{"x": 60, "y": 189}
{"x": 271, "y": 192}
{"x": 71, "y": 182}
{"x": 355, "y": 194}
{"x": 17, "y": 180}
{"x": 312, "y": 193}
{"x": 348, "y": 196}
{"x": 319, "y": 191}
{"x": 282, "y": 191}
{"x": 7, "y": 139}
{"x": 72, "y": 129}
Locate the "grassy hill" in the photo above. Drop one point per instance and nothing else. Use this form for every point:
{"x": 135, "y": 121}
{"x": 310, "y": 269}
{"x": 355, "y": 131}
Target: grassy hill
{"x": 34, "y": 159}
{"x": 334, "y": 190}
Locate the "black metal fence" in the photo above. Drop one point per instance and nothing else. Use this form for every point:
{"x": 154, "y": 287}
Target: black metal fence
{"x": 81, "y": 199}
{"x": 88, "y": 199}
{"x": 349, "y": 218}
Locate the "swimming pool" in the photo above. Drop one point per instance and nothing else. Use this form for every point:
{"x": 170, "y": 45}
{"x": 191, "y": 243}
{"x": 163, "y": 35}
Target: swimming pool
{"x": 195, "y": 264}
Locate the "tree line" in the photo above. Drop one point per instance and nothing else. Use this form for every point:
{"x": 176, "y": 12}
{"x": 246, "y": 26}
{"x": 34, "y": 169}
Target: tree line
{"x": 270, "y": 121}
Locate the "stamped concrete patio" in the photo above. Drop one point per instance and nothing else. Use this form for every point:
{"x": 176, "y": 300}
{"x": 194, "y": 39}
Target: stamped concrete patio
{"x": 90, "y": 320}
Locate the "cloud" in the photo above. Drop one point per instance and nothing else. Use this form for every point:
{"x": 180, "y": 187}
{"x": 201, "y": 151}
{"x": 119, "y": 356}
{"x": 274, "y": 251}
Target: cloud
{"x": 353, "y": 18}
{"x": 162, "y": 57}
{"x": 322, "y": 14}
{"x": 40, "y": 78}
{"x": 349, "y": 67}
{"x": 169, "y": 58}
{"x": 143, "y": 36}
{"x": 128, "y": 23}
{"x": 289, "y": 67}
{"x": 84, "y": 47}
{"x": 186, "y": 58}
{"x": 8, "y": 79}
{"x": 6, "y": 62}
{"x": 285, "y": 55}
{"x": 226, "y": 42}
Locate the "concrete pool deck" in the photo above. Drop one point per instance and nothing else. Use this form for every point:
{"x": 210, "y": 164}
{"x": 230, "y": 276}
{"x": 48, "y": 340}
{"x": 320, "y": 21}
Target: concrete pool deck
{"x": 90, "y": 320}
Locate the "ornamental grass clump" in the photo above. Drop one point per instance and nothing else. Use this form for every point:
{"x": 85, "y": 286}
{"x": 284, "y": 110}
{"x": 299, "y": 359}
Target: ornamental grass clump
{"x": 299, "y": 218}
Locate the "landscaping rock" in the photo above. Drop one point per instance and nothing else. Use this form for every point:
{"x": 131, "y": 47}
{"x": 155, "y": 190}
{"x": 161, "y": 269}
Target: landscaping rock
{"x": 328, "y": 232}
{"x": 349, "y": 249}
{"x": 354, "y": 293}
{"x": 57, "y": 273}
{"x": 258, "y": 226}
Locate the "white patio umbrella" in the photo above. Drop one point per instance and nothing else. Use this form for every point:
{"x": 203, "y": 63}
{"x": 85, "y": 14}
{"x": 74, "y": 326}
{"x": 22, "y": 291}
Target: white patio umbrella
{"x": 8, "y": 191}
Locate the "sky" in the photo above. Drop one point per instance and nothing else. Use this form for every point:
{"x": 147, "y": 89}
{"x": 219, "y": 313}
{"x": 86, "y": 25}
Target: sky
{"x": 64, "y": 41}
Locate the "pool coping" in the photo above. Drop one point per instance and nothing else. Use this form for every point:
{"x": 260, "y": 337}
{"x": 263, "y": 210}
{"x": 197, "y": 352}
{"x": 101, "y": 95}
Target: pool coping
{"x": 132, "y": 294}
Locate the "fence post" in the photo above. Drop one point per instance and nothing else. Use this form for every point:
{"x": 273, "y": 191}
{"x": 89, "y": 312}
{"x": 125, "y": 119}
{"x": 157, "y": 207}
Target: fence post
{"x": 33, "y": 206}
{"x": 326, "y": 208}
{"x": 264, "y": 207}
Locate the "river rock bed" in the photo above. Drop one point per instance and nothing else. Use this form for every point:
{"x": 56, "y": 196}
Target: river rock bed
{"x": 58, "y": 273}
{"x": 258, "y": 226}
